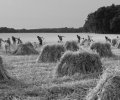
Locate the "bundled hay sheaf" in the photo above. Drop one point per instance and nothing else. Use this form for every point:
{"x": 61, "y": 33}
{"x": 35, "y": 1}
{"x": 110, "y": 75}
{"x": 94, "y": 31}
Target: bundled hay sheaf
{"x": 3, "y": 72}
{"x": 118, "y": 44}
{"x": 78, "y": 62}
{"x": 103, "y": 49}
{"x": 29, "y": 44}
{"x": 25, "y": 49}
{"x": 71, "y": 45}
{"x": 108, "y": 88}
{"x": 114, "y": 42}
{"x": 51, "y": 53}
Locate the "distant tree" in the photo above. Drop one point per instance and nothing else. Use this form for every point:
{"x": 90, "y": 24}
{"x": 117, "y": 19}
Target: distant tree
{"x": 115, "y": 24}
{"x": 103, "y": 20}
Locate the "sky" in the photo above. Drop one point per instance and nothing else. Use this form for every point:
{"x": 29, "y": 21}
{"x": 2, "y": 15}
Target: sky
{"x": 31, "y": 14}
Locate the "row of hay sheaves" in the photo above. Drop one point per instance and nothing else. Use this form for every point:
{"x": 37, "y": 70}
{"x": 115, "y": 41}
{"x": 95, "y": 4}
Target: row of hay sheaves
{"x": 71, "y": 59}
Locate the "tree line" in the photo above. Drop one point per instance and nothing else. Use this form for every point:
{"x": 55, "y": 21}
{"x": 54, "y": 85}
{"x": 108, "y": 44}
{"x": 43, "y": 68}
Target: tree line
{"x": 45, "y": 30}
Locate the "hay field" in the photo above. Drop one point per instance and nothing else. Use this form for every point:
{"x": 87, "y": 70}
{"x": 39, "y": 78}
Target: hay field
{"x": 36, "y": 81}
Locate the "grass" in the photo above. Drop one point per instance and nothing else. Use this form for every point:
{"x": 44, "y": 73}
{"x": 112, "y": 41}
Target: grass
{"x": 35, "y": 81}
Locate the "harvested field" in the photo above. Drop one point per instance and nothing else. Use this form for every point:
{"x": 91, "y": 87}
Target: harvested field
{"x": 37, "y": 81}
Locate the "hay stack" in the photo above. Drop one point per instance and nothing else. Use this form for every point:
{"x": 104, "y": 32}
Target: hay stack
{"x": 103, "y": 49}
{"x": 108, "y": 88}
{"x": 71, "y": 45}
{"x": 114, "y": 42}
{"x": 25, "y": 49}
{"x": 51, "y": 53}
{"x": 78, "y": 62}
{"x": 3, "y": 72}
{"x": 29, "y": 44}
{"x": 118, "y": 46}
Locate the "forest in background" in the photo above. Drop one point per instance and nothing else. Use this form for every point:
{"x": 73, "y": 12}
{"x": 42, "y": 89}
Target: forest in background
{"x": 104, "y": 20}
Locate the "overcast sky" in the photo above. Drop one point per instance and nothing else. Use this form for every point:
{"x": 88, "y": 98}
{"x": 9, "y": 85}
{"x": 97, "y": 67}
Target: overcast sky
{"x": 48, "y": 13}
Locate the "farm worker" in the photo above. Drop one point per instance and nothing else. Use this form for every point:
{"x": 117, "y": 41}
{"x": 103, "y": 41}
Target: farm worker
{"x": 8, "y": 41}
{"x": 14, "y": 40}
{"x": 78, "y": 37}
{"x": 60, "y": 38}
{"x": 7, "y": 45}
{"x": 19, "y": 41}
{"x": 40, "y": 39}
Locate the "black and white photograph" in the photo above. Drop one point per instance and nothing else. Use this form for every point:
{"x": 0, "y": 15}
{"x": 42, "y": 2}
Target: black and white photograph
{"x": 59, "y": 49}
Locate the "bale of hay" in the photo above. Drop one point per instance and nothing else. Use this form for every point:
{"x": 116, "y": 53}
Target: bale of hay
{"x": 103, "y": 49}
{"x": 29, "y": 44}
{"x": 118, "y": 46}
{"x": 78, "y": 62}
{"x": 71, "y": 45}
{"x": 108, "y": 88}
{"x": 114, "y": 42}
{"x": 25, "y": 49}
{"x": 51, "y": 53}
{"x": 3, "y": 72}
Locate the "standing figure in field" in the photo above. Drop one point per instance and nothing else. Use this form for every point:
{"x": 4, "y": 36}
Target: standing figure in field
{"x": 87, "y": 41}
{"x": 40, "y": 39}
{"x": 89, "y": 38}
{"x": 14, "y": 40}
{"x": 60, "y": 38}
{"x": 107, "y": 39}
{"x": 83, "y": 41}
{"x": 78, "y": 37}
{"x": 7, "y": 45}
{"x": 19, "y": 41}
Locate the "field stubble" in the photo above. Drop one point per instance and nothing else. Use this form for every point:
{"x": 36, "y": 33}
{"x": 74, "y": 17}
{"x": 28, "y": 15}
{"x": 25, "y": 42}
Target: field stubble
{"x": 35, "y": 81}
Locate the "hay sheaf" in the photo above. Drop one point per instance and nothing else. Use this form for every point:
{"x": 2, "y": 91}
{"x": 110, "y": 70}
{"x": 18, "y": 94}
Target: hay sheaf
{"x": 78, "y": 62}
{"x": 118, "y": 44}
{"x": 71, "y": 45}
{"x": 51, "y": 53}
{"x": 103, "y": 49}
{"x": 114, "y": 42}
{"x": 25, "y": 49}
{"x": 3, "y": 72}
{"x": 29, "y": 44}
{"x": 108, "y": 88}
